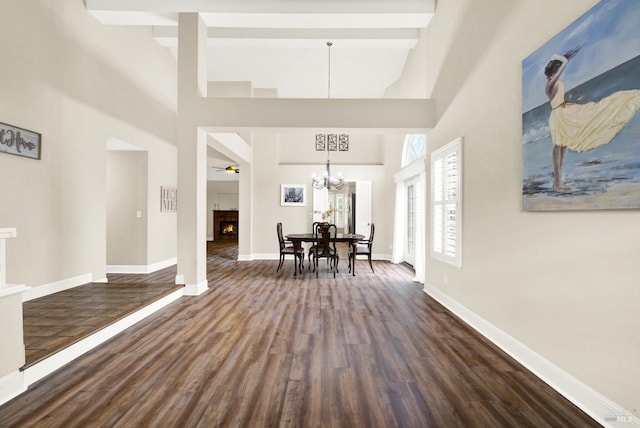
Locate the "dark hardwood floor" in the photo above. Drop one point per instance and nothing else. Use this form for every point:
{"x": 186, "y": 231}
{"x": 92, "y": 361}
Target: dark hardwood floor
{"x": 54, "y": 322}
{"x": 261, "y": 348}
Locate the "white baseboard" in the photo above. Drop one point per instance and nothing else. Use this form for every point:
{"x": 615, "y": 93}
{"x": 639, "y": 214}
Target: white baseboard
{"x": 59, "y": 359}
{"x": 596, "y": 405}
{"x": 11, "y": 386}
{"x": 54, "y": 287}
{"x": 142, "y": 268}
{"x": 11, "y": 289}
{"x": 196, "y": 289}
{"x": 192, "y": 289}
{"x": 376, "y": 256}
{"x": 267, "y": 256}
{"x": 276, "y": 256}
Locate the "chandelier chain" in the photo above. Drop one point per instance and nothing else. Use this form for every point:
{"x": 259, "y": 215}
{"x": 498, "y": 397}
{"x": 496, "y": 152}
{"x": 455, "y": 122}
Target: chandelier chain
{"x": 326, "y": 180}
{"x": 329, "y": 73}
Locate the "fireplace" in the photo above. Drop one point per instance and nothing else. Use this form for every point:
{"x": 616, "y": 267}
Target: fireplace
{"x": 225, "y": 225}
{"x": 228, "y": 228}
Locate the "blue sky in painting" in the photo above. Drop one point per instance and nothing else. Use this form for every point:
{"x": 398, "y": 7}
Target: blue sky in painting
{"x": 609, "y": 34}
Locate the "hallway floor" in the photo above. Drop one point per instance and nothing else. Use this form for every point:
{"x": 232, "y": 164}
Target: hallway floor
{"x": 262, "y": 348}
{"x": 54, "y": 322}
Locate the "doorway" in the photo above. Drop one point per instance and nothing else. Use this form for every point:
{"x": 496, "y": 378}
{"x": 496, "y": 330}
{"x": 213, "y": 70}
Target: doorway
{"x": 348, "y": 208}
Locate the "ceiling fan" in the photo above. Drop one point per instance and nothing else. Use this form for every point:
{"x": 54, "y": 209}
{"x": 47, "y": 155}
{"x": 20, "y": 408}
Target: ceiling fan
{"x": 231, "y": 169}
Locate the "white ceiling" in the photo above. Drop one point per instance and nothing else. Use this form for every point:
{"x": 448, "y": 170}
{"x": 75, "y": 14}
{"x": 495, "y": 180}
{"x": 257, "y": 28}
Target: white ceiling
{"x": 281, "y": 44}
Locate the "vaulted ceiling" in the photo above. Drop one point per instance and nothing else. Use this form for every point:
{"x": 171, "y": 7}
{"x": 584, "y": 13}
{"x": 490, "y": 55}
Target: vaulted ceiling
{"x": 281, "y": 44}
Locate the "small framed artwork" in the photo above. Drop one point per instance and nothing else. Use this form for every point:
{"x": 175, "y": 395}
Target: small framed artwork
{"x": 321, "y": 145}
{"x": 332, "y": 142}
{"x": 343, "y": 142}
{"x": 293, "y": 195}
{"x": 168, "y": 199}
{"x": 20, "y": 142}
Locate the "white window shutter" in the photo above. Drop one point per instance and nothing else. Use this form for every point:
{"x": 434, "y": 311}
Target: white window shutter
{"x": 446, "y": 214}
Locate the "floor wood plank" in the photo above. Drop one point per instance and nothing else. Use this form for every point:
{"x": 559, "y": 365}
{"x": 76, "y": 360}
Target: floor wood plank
{"x": 56, "y": 321}
{"x": 262, "y": 348}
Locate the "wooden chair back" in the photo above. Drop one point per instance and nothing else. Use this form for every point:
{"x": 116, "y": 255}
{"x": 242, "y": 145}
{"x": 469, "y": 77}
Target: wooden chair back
{"x": 280, "y": 236}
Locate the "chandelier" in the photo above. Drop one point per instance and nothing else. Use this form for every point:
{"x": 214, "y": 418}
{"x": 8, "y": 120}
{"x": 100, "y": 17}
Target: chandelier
{"x": 330, "y": 143}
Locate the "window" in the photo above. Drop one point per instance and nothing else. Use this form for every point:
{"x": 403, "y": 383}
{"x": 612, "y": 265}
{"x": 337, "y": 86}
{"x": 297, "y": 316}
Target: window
{"x": 339, "y": 214}
{"x": 415, "y": 145}
{"x": 410, "y": 218}
{"x": 446, "y": 209}
{"x": 409, "y": 228}
{"x": 332, "y": 207}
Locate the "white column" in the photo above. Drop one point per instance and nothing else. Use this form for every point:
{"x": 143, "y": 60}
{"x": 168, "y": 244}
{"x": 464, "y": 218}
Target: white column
{"x": 420, "y": 244}
{"x": 192, "y": 156}
{"x": 245, "y": 213}
{"x": 397, "y": 251}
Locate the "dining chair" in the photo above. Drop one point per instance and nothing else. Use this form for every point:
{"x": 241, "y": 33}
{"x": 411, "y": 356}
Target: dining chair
{"x": 286, "y": 248}
{"x": 325, "y": 246}
{"x": 363, "y": 247}
{"x": 313, "y": 246}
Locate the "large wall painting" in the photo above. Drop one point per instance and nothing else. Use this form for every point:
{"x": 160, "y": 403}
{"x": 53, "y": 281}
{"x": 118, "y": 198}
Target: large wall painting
{"x": 581, "y": 119}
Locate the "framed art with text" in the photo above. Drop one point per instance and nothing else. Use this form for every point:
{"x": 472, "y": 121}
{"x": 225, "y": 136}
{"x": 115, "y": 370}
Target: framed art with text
{"x": 20, "y": 142}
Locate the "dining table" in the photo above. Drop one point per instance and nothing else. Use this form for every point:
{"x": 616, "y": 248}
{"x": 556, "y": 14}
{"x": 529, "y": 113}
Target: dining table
{"x": 298, "y": 238}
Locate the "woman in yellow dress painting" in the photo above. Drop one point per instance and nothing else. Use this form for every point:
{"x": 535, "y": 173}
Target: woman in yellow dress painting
{"x": 582, "y": 127}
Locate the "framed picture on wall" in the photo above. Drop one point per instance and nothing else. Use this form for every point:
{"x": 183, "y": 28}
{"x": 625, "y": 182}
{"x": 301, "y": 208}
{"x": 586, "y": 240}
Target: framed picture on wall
{"x": 293, "y": 195}
{"x": 581, "y": 114}
{"x": 168, "y": 199}
{"x": 19, "y": 141}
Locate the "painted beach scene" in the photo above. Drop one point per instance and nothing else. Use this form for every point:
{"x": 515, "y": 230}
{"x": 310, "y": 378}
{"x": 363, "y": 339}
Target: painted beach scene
{"x": 581, "y": 114}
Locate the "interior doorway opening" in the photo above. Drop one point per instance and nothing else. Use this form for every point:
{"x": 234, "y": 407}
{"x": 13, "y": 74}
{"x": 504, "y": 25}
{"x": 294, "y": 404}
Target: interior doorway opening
{"x": 349, "y": 207}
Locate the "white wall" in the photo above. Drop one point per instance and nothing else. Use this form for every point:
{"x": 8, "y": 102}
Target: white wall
{"x": 412, "y": 82}
{"x": 162, "y": 230}
{"x": 299, "y": 149}
{"x": 126, "y": 196}
{"x": 78, "y": 83}
{"x": 565, "y": 284}
{"x": 383, "y": 155}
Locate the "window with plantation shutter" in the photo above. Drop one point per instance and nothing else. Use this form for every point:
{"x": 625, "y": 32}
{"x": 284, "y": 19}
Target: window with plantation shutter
{"x": 411, "y": 215}
{"x": 446, "y": 214}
